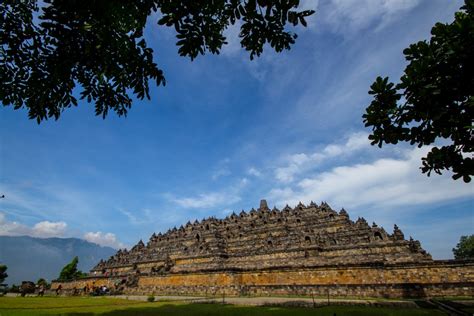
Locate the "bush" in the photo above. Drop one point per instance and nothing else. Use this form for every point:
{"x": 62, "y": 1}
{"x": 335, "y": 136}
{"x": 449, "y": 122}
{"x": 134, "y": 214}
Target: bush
{"x": 151, "y": 298}
{"x": 27, "y": 287}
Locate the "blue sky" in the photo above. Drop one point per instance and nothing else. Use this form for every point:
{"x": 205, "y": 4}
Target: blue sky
{"x": 226, "y": 132}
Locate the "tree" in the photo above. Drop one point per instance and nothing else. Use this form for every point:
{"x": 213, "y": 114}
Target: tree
{"x": 465, "y": 248}
{"x": 434, "y": 100}
{"x": 43, "y": 282}
{"x": 98, "y": 45}
{"x": 3, "y": 273}
{"x": 70, "y": 272}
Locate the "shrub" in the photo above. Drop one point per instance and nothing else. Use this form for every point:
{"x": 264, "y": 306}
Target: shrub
{"x": 150, "y": 298}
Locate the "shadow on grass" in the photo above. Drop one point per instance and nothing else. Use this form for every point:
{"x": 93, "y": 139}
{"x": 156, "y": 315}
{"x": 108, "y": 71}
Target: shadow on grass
{"x": 199, "y": 309}
{"x": 232, "y": 310}
{"x": 425, "y": 304}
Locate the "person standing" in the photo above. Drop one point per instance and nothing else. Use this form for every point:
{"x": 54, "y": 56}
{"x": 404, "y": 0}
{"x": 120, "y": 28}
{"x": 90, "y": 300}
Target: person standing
{"x": 41, "y": 290}
{"x": 58, "y": 289}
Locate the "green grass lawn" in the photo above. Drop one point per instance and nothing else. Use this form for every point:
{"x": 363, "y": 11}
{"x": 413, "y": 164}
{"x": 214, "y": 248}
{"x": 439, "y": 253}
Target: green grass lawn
{"x": 111, "y": 306}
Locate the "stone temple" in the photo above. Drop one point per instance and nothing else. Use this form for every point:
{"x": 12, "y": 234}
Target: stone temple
{"x": 305, "y": 250}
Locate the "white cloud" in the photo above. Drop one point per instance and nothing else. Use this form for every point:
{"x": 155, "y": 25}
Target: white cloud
{"x": 254, "y": 172}
{"x": 301, "y": 162}
{"x": 42, "y": 229}
{"x": 11, "y": 228}
{"x": 49, "y": 229}
{"x": 384, "y": 182}
{"x": 295, "y": 166}
{"x": 354, "y": 15}
{"x": 104, "y": 239}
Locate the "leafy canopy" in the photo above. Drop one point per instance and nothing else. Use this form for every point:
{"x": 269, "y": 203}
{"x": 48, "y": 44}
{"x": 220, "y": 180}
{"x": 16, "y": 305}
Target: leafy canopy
{"x": 70, "y": 272}
{"x": 43, "y": 282}
{"x": 465, "y": 248}
{"x": 3, "y": 273}
{"x": 98, "y": 45}
{"x": 434, "y": 100}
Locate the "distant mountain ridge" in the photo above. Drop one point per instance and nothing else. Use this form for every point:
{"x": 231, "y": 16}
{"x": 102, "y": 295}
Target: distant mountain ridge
{"x": 30, "y": 258}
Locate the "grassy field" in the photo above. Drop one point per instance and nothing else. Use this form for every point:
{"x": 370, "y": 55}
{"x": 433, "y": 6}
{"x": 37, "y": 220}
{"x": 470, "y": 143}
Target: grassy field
{"x": 110, "y": 306}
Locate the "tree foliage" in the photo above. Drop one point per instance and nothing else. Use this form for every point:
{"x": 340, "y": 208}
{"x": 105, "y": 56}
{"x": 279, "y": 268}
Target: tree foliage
{"x": 70, "y": 272}
{"x": 465, "y": 248}
{"x": 434, "y": 101}
{"x": 43, "y": 282}
{"x": 47, "y": 50}
{"x": 3, "y": 272}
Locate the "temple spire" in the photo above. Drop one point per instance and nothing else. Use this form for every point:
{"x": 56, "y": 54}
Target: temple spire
{"x": 263, "y": 205}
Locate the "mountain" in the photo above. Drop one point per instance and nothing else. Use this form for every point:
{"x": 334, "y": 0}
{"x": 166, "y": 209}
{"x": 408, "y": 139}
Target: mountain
{"x": 29, "y": 258}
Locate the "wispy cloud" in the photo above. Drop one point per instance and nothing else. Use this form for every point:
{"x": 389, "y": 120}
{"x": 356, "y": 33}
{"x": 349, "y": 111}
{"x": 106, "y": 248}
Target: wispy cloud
{"x": 301, "y": 162}
{"x": 383, "y": 182}
{"x": 224, "y": 197}
{"x": 206, "y": 200}
{"x": 252, "y": 171}
{"x": 45, "y": 201}
{"x": 351, "y": 16}
{"x": 104, "y": 239}
{"x": 135, "y": 217}
{"x": 222, "y": 169}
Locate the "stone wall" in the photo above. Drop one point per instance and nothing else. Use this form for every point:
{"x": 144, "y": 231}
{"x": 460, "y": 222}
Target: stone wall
{"x": 434, "y": 279}
{"x": 302, "y": 250}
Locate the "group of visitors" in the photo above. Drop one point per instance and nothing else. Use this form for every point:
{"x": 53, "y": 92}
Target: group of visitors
{"x": 93, "y": 289}
{"x": 100, "y": 290}
{"x": 90, "y": 290}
